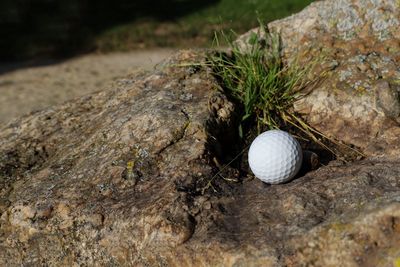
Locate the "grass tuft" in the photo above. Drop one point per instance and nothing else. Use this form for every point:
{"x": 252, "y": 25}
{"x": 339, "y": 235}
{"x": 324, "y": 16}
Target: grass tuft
{"x": 258, "y": 80}
{"x": 265, "y": 87}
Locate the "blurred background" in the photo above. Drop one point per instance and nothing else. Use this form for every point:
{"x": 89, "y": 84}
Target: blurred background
{"x": 52, "y": 50}
{"x": 38, "y": 28}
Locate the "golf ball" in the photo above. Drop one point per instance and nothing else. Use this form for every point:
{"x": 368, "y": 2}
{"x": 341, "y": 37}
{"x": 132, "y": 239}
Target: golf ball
{"x": 275, "y": 157}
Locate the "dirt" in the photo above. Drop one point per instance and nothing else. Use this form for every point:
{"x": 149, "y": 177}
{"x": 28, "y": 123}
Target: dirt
{"x": 24, "y": 89}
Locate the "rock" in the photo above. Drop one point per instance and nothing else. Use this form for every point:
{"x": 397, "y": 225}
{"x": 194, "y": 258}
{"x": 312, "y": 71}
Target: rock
{"x": 131, "y": 176}
{"x": 367, "y": 240}
{"x": 356, "y": 46}
{"x": 64, "y": 171}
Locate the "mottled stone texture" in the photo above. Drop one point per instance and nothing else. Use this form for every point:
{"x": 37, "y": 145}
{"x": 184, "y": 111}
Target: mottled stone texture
{"x": 120, "y": 178}
{"x": 95, "y": 180}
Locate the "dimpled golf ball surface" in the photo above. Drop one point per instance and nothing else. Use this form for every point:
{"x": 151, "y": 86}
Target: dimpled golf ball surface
{"x": 275, "y": 157}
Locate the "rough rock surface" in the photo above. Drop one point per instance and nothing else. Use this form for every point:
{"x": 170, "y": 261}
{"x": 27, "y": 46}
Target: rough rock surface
{"x": 120, "y": 178}
{"x": 95, "y": 180}
{"x": 356, "y": 44}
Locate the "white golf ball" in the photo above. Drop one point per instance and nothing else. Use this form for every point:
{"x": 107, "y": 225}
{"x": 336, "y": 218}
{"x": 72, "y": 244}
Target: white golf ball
{"x": 275, "y": 157}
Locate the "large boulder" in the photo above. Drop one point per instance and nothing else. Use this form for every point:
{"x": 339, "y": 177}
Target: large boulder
{"x": 102, "y": 179}
{"x": 127, "y": 177}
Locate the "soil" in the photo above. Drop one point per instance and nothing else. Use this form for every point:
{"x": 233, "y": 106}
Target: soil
{"x": 25, "y": 88}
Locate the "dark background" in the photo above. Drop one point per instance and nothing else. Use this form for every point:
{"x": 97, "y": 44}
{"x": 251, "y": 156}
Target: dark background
{"x": 33, "y": 28}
